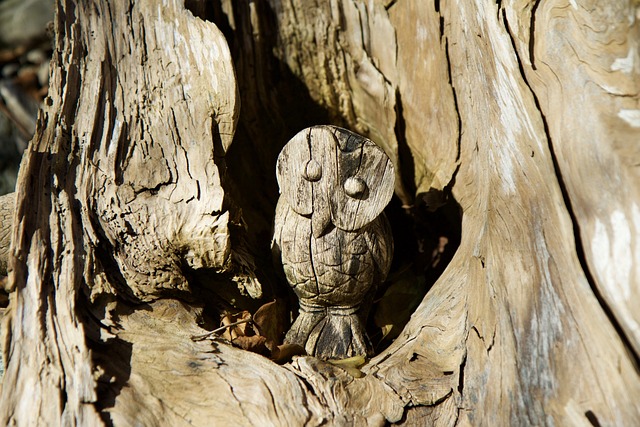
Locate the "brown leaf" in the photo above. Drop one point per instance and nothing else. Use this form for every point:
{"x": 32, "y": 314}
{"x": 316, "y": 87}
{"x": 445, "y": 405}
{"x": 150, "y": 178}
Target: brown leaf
{"x": 255, "y": 344}
{"x": 260, "y": 333}
{"x": 237, "y": 325}
{"x": 270, "y": 321}
{"x": 284, "y": 352}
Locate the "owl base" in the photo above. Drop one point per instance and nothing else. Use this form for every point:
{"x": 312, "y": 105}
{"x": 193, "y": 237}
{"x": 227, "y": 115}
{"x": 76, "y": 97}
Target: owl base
{"x": 330, "y": 332}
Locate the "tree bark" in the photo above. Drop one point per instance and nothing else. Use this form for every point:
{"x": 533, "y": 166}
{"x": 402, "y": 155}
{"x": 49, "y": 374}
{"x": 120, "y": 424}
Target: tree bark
{"x": 146, "y": 199}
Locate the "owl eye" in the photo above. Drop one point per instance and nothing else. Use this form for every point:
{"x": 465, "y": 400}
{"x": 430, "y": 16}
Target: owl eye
{"x": 355, "y": 187}
{"x": 312, "y": 171}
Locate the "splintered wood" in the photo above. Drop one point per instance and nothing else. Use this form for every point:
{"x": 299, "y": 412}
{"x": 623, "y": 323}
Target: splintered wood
{"x": 525, "y": 113}
{"x": 7, "y": 208}
{"x": 332, "y": 236}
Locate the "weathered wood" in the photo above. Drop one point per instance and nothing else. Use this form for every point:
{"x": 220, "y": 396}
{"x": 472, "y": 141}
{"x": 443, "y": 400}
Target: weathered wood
{"x": 461, "y": 97}
{"x": 332, "y": 236}
{"x": 595, "y": 144}
{"x": 119, "y": 198}
{"x": 515, "y": 304}
{"x": 7, "y": 210}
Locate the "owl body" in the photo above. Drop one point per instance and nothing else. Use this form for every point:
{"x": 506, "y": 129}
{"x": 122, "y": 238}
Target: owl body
{"x": 332, "y": 238}
{"x": 336, "y": 268}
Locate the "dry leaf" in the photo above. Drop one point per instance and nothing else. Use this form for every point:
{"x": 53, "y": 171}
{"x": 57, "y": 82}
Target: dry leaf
{"x": 284, "y": 352}
{"x": 255, "y": 344}
{"x": 260, "y": 333}
{"x": 270, "y": 321}
{"x": 350, "y": 365}
{"x": 237, "y": 325}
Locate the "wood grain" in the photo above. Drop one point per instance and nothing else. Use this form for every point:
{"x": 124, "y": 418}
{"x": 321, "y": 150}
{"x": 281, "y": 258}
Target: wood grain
{"x": 522, "y": 109}
{"x": 7, "y": 211}
{"x": 594, "y": 145}
{"x": 120, "y": 195}
{"x": 337, "y": 254}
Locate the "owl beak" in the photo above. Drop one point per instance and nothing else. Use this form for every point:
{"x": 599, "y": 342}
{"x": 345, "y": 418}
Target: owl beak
{"x": 320, "y": 222}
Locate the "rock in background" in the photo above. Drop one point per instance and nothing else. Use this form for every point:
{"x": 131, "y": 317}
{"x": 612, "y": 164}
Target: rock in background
{"x": 25, "y": 49}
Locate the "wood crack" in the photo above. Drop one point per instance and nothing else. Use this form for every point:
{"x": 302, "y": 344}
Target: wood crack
{"x": 310, "y": 237}
{"x": 455, "y": 105}
{"x": 580, "y": 253}
{"x": 461, "y": 375}
{"x": 532, "y": 32}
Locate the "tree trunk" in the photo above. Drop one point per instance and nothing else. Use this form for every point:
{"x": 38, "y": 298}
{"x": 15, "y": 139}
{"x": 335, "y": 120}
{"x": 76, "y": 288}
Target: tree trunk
{"x": 145, "y": 204}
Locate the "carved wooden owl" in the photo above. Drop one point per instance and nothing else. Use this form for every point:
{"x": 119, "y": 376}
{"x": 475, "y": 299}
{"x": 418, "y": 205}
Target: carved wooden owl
{"x": 332, "y": 236}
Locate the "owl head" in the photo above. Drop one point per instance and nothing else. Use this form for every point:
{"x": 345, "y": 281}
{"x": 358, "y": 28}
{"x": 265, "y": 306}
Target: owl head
{"x": 335, "y": 176}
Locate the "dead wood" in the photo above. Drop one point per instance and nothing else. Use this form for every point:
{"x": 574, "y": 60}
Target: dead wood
{"x": 7, "y": 208}
{"x": 140, "y": 191}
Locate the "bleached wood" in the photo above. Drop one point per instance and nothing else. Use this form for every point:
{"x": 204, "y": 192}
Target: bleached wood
{"x": 119, "y": 196}
{"x": 7, "y": 209}
{"x": 595, "y": 144}
{"x": 512, "y": 333}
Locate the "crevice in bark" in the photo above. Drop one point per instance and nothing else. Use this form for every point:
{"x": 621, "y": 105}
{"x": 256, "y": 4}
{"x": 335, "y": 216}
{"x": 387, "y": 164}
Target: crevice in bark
{"x": 455, "y": 98}
{"x": 440, "y": 399}
{"x": 105, "y": 260}
{"x": 390, "y": 4}
{"x": 591, "y": 417}
{"x": 426, "y": 237}
{"x": 237, "y": 400}
{"x": 580, "y": 253}
{"x": 405, "y": 158}
{"x": 461, "y": 375}
{"x": 532, "y": 34}
{"x": 489, "y": 345}
{"x": 113, "y": 357}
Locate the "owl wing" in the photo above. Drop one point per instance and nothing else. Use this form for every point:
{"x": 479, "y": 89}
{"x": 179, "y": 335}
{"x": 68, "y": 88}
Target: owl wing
{"x": 290, "y": 173}
{"x": 290, "y": 246}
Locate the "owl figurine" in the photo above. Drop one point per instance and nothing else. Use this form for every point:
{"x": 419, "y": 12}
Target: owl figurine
{"x": 332, "y": 237}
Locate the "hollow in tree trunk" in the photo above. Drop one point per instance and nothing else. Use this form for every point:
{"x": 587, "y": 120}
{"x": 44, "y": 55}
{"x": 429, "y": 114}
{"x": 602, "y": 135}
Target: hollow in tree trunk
{"x": 145, "y": 202}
